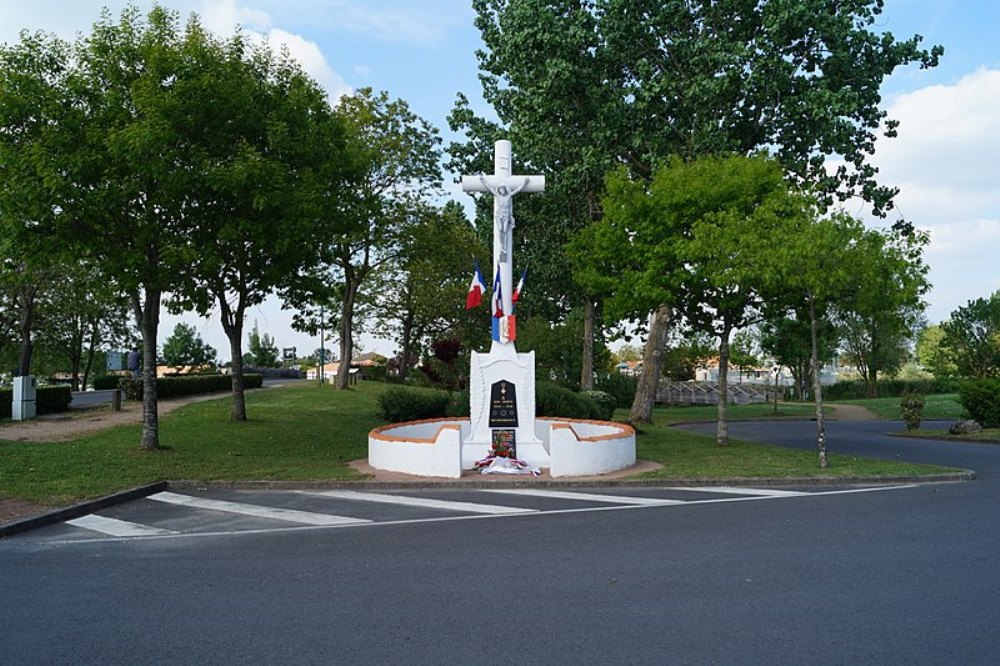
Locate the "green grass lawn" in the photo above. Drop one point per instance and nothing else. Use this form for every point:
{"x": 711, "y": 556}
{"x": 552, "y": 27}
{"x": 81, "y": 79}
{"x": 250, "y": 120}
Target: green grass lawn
{"x": 307, "y": 432}
{"x": 687, "y": 414}
{"x": 942, "y": 407}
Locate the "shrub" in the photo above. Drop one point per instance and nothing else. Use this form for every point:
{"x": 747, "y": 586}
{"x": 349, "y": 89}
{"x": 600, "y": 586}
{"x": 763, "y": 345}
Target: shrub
{"x": 48, "y": 400}
{"x": 458, "y": 404}
{"x": 981, "y": 398}
{"x": 554, "y": 400}
{"x": 400, "y": 404}
{"x": 105, "y": 382}
{"x": 177, "y": 387}
{"x": 889, "y": 388}
{"x": 912, "y": 408}
{"x": 605, "y": 402}
{"x": 622, "y": 387}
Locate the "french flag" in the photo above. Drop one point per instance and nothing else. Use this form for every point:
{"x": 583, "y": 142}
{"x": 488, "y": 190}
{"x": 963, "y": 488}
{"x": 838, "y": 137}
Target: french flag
{"x": 476, "y": 290}
{"x": 497, "y": 295}
{"x": 520, "y": 285}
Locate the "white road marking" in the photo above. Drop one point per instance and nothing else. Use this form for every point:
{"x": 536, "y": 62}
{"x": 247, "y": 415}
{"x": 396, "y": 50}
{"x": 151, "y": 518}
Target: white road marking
{"x": 588, "y": 497}
{"x": 447, "y": 519}
{"x": 115, "y": 527}
{"x": 471, "y": 507}
{"x": 730, "y": 490}
{"x": 290, "y": 515}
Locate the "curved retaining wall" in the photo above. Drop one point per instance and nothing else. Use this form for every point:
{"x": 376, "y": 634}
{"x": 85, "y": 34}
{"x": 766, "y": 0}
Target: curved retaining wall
{"x": 434, "y": 447}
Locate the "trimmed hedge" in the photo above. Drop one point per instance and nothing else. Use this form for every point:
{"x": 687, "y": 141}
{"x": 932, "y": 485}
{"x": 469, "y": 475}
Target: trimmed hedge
{"x": 176, "y": 387}
{"x": 554, "y": 400}
{"x": 49, "y": 400}
{"x": 622, "y": 387}
{"x": 105, "y": 382}
{"x": 399, "y": 404}
{"x": 889, "y": 388}
{"x": 981, "y": 398}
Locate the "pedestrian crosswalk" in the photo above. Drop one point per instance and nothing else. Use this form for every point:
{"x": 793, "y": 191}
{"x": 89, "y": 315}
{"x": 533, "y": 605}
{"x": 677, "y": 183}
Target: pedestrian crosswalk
{"x": 170, "y": 514}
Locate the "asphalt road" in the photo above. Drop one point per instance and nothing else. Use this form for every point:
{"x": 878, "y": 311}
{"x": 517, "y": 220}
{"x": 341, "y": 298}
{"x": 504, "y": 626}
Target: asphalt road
{"x": 84, "y": 399}
{"x": 903, "y": 575}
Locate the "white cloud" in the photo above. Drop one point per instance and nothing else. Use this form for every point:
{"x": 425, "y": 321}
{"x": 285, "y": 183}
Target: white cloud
{"x": 946, "y": 162}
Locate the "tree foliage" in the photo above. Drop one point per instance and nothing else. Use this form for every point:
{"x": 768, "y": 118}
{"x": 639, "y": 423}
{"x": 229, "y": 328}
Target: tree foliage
{"x": 185, "y": 349}
{"x": 972, "y": 337}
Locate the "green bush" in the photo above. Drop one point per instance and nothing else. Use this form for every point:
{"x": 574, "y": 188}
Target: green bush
{"x": 605, "y": 402}
{"x": 48, "y": 400}
{"x": 622, "y": 387}
{"x": 105, "y": 382}
{"x": 912, "y": 408}
{"x": 981, "y": 398}
{"x": 177, "y": 387}
{"x": 400, "y": 404}
{"x": 554, "y": 400}
{"x": 889, "y": 388}
{"x": 458, "y": 404}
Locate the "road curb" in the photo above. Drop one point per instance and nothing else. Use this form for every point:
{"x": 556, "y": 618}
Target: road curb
{"x": 81, "y": 509}
{"x": 85, "y": 508}
{"x": 531, "y": 482}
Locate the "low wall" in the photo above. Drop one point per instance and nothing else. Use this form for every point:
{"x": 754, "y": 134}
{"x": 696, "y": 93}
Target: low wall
{"x": 586, "y": 448}
{"x": 423, "y": 448}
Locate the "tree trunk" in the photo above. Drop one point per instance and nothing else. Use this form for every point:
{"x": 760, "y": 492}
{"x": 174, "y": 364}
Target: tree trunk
{"x": 587, "y": 365}
{"x": 722, "y": 427}
{"x": 148, "y": 316}
{"x": 346, "y": 341}
{"x": 27, "y": 303}
{"x": 91, "y": 350}
{"x": 232, "y": 324}
{"x": 817, "y": 391}
{"x": 652, "y": 363}
{"x": 407, "y": 341}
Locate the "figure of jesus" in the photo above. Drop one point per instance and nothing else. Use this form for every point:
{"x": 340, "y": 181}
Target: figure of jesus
{"x": 503, "y": 216}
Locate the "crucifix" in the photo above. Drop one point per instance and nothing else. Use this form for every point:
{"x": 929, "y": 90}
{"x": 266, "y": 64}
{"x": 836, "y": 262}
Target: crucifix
{"x": 503, "y": 185}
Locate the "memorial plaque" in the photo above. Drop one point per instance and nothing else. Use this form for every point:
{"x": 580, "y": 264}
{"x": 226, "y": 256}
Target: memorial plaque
{"x": 504, "y": 443}
{"x": 503, "y": 405}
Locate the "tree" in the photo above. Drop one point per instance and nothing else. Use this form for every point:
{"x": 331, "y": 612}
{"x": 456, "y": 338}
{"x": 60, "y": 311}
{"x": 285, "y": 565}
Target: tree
{"x": 815, "y": 266}
{"x": 972, "y": 337}
{"x": 84, "y": 313}
{"x": 266, "y": 150}
{"x": 932, "y": 354}
{"x": 185, "y": 348}
{"x": 744, "y": 351}
{"x": 785, "y": 334}
{"x": 421, "y": 296}
{"x": 632, "y": 82}
{"x": 262, "y": 352}
{"x": 398, "y": 156}
{"x": 879, "y": 319}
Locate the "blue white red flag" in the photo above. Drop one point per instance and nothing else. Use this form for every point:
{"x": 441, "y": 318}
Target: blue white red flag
{"x": 476, "y": 290}
{"x": 520, "y": 285}
{"x": 497, "y": 295}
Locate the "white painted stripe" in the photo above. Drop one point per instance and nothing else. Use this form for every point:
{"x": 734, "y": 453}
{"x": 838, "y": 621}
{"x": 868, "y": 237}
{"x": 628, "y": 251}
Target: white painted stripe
{"x": 115, "y": 527}
{"x": 471, "y": 507}
{"x": 588, "y": 497}
{"x": 290, "y": 515}
{"x": 729, "y": 490}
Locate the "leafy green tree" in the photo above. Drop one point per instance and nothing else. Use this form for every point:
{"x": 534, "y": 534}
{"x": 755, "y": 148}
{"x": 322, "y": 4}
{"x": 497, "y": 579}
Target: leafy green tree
{"x": 744, "y": 352}
{"x": 972, "y": 337}
{"x": 185, "y": 348}
{"x": 878, "y": 321}
{"x": 785, "y": 335}
{"x": 262, "y": 352}
{"x": 421, "y": 296}
{"x": 398, "y": 156}
{"x": 266, "y": 148}
{"x": 84, "y": 314}
{"x": 632, "y": 82}
{"x": 932, "y": 354}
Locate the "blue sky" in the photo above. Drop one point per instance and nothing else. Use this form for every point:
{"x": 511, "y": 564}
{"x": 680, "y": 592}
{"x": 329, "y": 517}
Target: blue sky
{"x": 946, "y": 159}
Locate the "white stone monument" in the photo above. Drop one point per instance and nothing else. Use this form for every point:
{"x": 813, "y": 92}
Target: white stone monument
{"x": 502, "y": 382}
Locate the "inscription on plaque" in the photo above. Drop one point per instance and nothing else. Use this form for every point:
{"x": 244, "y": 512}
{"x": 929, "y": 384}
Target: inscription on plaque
{"x": 503, "y": 405}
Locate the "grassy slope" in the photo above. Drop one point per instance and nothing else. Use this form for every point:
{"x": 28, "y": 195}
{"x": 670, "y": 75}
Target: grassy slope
{"x": 306, "y": 432}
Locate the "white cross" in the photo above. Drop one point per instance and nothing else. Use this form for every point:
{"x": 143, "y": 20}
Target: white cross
{"x": 503, "y": 185}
